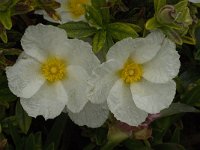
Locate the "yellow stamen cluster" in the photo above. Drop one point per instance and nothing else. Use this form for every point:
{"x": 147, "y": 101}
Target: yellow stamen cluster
{"x": 76, "y": 7}
{"x": 131, "y": 72}
{"x": 54, "y": 69}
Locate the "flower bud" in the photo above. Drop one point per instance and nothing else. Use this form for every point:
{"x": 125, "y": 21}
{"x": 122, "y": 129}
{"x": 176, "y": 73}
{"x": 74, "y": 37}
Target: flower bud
{"x": 166, "y": 14}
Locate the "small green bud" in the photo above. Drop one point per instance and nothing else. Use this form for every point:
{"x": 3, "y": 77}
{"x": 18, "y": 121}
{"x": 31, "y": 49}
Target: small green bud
{"x": 166, "y": 14}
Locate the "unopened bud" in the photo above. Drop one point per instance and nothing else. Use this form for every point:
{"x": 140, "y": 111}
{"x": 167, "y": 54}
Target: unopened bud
{"x": 166, "y": 14}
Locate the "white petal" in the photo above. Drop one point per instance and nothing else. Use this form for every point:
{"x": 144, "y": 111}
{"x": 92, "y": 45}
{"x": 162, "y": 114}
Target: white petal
{"x": 194, "y": 1}
{"x": 40, "y": 41}
{"x": 164, "y": 66}
{"x": 81, "y": 54}
{"x": 92, "y": 115}
{"x": 104, "y": 76}
{"x": 152, "y": 97}
{"x": 24, "y": 78}
{"x": 121, "y": 50}
{"x": 66, "y": 17}
{"x": 77, "y": 88}
{"x": 49, "y": 101}
{"x": 122, "y": 106}
{"x": 147, "y": 48}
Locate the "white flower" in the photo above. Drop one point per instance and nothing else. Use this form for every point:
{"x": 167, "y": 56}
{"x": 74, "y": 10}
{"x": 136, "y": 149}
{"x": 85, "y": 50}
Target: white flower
{"x": 70, "y": 10}
{"x": 52, "y": 72}
{"x": 137, "y": 77}
{"x": 194, "y": 1}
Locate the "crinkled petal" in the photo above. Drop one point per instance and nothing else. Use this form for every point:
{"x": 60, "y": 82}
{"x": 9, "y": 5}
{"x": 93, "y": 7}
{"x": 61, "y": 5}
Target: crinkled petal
{"x": 77, "y": 88}
{"x": 122, "y": 106}
{"x": 152, "y": 97}
{"x": 92, "y": 115}
{"x": 42, "y": 41}
{"x": 104, "y": 76}
{"x": 194, "y": 1}
{"x": 164, "y": 66}
{"x": 49, "y": 101}
{"x": 147, "y": 48}
{"x": 121, "y": 50}
{"x": 81, "y": 54}
{"x": 24, "y": 78}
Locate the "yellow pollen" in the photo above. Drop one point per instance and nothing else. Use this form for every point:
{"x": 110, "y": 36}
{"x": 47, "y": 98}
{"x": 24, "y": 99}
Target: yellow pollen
{"x": 54, "y": 69}
{"x": 76, "y": 7}
{"x": 131, "y": 72}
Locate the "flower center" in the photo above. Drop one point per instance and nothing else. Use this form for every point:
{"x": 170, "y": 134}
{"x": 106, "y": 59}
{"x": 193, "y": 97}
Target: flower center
{"x": 76, "y": 7}
{"x": 53, "y": 69}
{"x": 131, "y": 72}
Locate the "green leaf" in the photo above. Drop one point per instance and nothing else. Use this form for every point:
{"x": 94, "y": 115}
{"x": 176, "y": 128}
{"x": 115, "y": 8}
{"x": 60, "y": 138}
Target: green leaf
{"x": 173, "y": 35}
{"x": 98, "y": 3}
{"x": 98, "y": 41}
{"x": 120, "y": 31}
{"x": 152, "y": 24}
{"x": 131, "y": 144}
{"x": 134, "y": 27}
{"x": 55, "y": 134}
{"x": 5, "y": 19}
{"x": 78, "y": 29}
{"x": 161, "y": 126}
{"x": 168, "y": 146}
{"x": 23, "y": 119}
{"x": 16, "y": 137}
{"x": 188, "y": 40}
{"x": 158, "y": 4}
{"x": 50, "y": 147}
{"x": 30, "y": 143}
{"x": 176, "y": 135}
{"x": 5, "y": 93}
{"x": 176, "y": 108}
{"x": 93, "y": 16}
{"x": 105, "y": 12}
{"x": 192, "y": 97}
{"x": 3, "y": 34}
{"x": 38, "y": 141}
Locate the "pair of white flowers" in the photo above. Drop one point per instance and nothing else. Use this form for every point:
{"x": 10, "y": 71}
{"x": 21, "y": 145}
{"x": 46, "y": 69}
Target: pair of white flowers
{"x": 56, "y": 74}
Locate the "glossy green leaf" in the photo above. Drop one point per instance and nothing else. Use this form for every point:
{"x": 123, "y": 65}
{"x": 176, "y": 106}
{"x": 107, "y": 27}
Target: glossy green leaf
{"x": 176, "y": 108}
{"x": 98, "y": 41}
{"x": 93, "y": 16}
{"x": 5, "y": 19}
{"x": 3, "y": 34}
{"x": 78, "y": 29}
{"x": 120, "y": 31}
{"x": 152, "y": 24}
{"x": 105, "y": 12}
{"x": 158, "y": 4}
{"x": 23, "y": 119}
{"x": 135, "y": 27}
{"x": 189, "y": 40}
